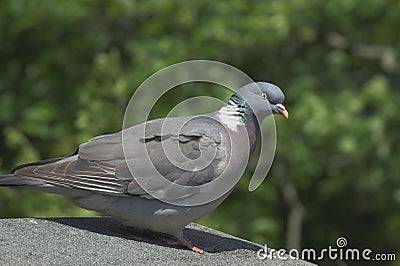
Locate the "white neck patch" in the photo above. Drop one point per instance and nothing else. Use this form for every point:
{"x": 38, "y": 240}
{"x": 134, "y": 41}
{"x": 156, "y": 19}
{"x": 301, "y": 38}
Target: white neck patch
{"x": 229, "y": 116}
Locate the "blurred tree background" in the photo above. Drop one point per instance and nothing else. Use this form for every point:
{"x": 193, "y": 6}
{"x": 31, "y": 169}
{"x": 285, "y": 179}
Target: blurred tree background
{"x": 68, "y": 69}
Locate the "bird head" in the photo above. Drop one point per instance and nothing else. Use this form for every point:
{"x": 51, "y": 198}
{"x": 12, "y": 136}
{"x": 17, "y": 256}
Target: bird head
{"x": 264, "y": 99}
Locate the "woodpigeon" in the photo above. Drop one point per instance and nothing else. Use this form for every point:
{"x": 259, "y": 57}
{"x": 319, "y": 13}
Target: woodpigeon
{"x": 113, "y": 178}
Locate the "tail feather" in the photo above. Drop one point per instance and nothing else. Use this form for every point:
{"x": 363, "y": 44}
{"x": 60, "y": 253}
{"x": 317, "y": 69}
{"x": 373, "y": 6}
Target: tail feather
{"x": 11, "y": 180}
{"x": 33, "y": 184}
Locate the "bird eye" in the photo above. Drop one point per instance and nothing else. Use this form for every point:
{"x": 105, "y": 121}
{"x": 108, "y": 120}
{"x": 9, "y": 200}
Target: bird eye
{"x": 264, "y": 96}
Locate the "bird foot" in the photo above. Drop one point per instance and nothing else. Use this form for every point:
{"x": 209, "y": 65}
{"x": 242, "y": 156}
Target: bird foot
{"x": 182, "y": 241}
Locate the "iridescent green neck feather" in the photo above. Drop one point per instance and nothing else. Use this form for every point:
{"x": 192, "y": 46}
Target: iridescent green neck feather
{"x": 236, "y": 112}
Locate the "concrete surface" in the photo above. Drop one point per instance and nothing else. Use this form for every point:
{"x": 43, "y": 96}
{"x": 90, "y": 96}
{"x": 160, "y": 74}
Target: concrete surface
{"x": 104, "y": 241}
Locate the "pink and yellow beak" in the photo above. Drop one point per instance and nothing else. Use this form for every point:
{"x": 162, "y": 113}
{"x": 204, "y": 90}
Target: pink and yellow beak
{"x": 282, "y": 110}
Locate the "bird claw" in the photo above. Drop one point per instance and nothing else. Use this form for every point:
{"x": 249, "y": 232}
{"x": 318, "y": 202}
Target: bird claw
{"x": 198, "y": 250}
{"x": 182, "y": 241}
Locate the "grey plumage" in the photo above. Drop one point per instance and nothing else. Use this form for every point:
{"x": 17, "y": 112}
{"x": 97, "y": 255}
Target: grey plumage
{"x": 98, "y": 177}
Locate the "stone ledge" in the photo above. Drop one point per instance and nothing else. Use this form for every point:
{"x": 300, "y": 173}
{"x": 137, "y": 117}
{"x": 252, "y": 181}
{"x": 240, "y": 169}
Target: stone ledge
{"x": 101, "y": 240}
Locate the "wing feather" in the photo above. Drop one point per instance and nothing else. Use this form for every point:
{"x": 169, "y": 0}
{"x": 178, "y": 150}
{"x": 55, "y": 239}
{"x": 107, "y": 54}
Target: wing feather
{"x": 100, "y": 164}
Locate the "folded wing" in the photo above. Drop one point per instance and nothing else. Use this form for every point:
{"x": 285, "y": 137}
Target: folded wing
{"x": 105, "y": 163}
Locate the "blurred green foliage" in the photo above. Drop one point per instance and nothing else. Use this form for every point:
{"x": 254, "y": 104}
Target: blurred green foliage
{"x": 68, "y": 69}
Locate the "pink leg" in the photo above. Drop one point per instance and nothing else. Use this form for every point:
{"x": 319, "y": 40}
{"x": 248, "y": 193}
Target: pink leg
{"x": 187, "y": 243}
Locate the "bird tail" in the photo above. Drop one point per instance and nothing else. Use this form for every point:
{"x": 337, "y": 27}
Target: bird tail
{"x": 18, "y": 181}
{"x": 23, "y": 177}
{"x": 23, "y": 183}
{"x": 33, "y": 184}
{"x": 11, "y": 180}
